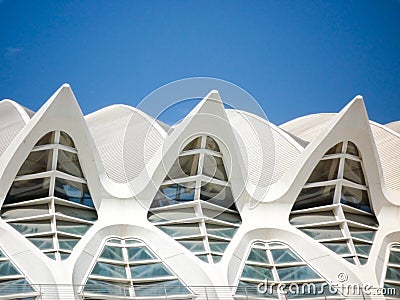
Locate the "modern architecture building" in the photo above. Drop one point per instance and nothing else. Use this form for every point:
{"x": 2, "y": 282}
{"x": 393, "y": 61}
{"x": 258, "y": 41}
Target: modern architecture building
{"x": 222, "y": 205}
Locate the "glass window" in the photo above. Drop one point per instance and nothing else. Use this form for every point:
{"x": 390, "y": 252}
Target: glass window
{"x": 106, "y": 288}
{"x": 23, "y": 190}
{"x": 362, "y": 219}
{"x": 149, "y": 271}
{"x": 338, "y": 247}
{"x": 113, "y": 253}
{"x": 173, "y": 194}
{"x": 68, "y": 162}
{"x": 250, "y": 288}
{"x": 67, "y": 243}
{"x": 394, "y": 257}
{"x": 214, "y": 167}
{"x": 218, "y": 246}
{"x": 73, "y": 191}
{"x": 335, "y": 149}
{"x": 315, "y": 197}
{"x": 17, "y": 286}
{"x": 220, "y": 230}
{"x": 171, "y": 287}
{"x": 37, "y": 162}
{"x": 223, "y": 216}
{"x": 282, "y": 256}
{"x": 184, "y": 166}
{"x": 23, "y": 212}
{"x": 193, "y": 245}
{"x": 258, "y": 255}
{"x": 362, "y": 249}
{"x": 362, "y": 233}
{"x": 325, "y": 170}
{"x": 173, "y": 214}
{"x": 108, "y": 270}
{"x": 353, "y": 171}
{"x": 217, "y": 194}
{"x": 43, "y": 243}
{"x": 32, "y": 227}
{"x": 310, "y": 218}
{"x": 48, "y": 138}
{"x": 321, "y": 233}
{"x": 194, "y": 144}
{"x": 255, "y": 272}
{"x": 355, "y": 198}
{"x": 181, "y": 229}
{"x": 352, "y": 149}
{"x": 296, "y": 273}
{"x": 139, "y": 253}
{"x": 73, "y": 228}
{"x": 212, "y": 144}
{"x": 85, "y": 214}
{"x": 216, "y": 257}
{"x": 7, "y": 269}
{"x": 393, "y": 273}
{"x": 66, "y": 140}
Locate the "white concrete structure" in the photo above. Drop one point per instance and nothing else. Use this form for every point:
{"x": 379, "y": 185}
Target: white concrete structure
{"x": 117, "y": 205}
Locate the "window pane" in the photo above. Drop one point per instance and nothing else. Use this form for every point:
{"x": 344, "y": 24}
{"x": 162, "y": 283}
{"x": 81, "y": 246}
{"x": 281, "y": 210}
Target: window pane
{"x": 282, "y": 256}
{"x": 214, "y": 167}
{"x": 73, "y": 191}
{"x": 85, "y": 214}
{"x": 17, "y": 286}
{"x": 223, "y": 216}
{"x": 362, "y": 249}
{"x": 211, "y": 144}
{"x": 339, "y": 247}
{"x": 394, "y": 257}
{"x": 217, "y": 246}
{"x": 393, "y": 273}
{"x": 193, "y": 245}
{"x": 258, "y": 255}
{"x": 139, "y": 253}
{"x": 220, "y": 230}
{"x": 296, "y": 273}
{"x": 249, "y": 288}
{"x": 310, "y": 218}
{"x": 353, "y": 171}
{"x": 107, "y": 270}
{"x": 24, "y": 190}
{"x": 325, "y": 170}
{"x": 7, "y": 269}
{"x": 352, "y": 149}
{"x": 68, "y": 162}
{"x": 255, "y": 272}
{"x": 43, "y": 243}
{"x": 181, "y": 229}
{"x": 217, "y": 194}
{"x": 32, "y": 227}
{"x": 355, "y": 198}
{"x": 48, "y": 138}
{"x": 26, "y": 211}
{"x": 73, "y": 228}
{"x": 184, "y": 166}
{"x": 366, "y": 220}
{"x": 67, "y": 243}
{"x": 173, "y": 214}
{"x": 315, "y": 197}
{"x": 335, "y": 149}
{"x": 164, "y": 288}
{"x": 149, "y": 271}
{"x": 106, "y": 288}
{"x": 113, "y": 253}
{"x": 361, "y": 233}
{"x": 173, "y": 194}
{"x": 320, "y": 233}
{"x": 66, "y": 140}
{"x": 37, "y": 162}
{"x": 195, "y": 144}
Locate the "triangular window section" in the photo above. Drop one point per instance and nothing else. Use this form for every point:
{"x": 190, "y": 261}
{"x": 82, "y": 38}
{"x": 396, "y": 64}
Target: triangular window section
{"x": 194, "y": 204}
{"x": 49, "y": 201}
{"x": 270, "y": 265}
{"x": 13, "y": 283}
{"x": 128, "y": 269}
{"x": 392, "y": 274}
{"x": 334, "y": 206}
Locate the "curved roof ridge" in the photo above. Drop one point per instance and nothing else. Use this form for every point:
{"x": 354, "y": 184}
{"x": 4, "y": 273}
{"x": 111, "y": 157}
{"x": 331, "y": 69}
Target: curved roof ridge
{"x": 22, "y": 110}
{"x": 280, "y": 131}
{"x": 303, "y": 117}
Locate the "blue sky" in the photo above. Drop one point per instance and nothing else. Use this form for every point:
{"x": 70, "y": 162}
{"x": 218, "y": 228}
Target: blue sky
{"x": 294, "y": 57}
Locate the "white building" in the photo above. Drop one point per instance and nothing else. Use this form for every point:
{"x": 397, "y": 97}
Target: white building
{"x": 117, "y": 205}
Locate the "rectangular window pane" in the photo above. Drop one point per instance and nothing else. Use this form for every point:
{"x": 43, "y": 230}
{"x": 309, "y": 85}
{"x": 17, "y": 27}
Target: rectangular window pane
{"x": 108, "y": 270}
{"x": 353, "y": 171}
{"x": 43, "y": 243}
{"x": 310, "y": 218}
{"x": 315, "y": 197}
{"x": 173, "y": 194}
{"x": 223, "y": 216}
{"x": 321, "y": 233}
{"x": 193, "y": 245}
{"x": 214, "y": 167}
{"x": 325, "y": 170}
{"x": 184, "y": 166}
{"x": 393, "y": 273}
{"x": 149, "y": 271}
{"x": 24, "y": 190}
{"x": 73, "y": 191}
{"x": 68, "y": 162}
{"x": 365, "y": 234}
{"x": 26, "y": 211}
{"x": 255, "y": 272}
{"x": 363, "y": 219}
{"x": 355, "y": 198}
{"x": 181, "y": 230}
{"x": 217, "y": 194}
{"x": 173, "y": 214}
{"x": 394, "y": 257}
{"x": 338, "y": 247}
{"x": 283, "y": 256}
{"x": 37, "y": 162}
{"x": 220, "y": 230}
{"x": 296, "y": 273}
{"x": 139, "y": 253}
{"x": 113, "y": 253}
{"x": 258, "y": 255}
{"x": 73, "y": 228}
{"x": 32, "y": 227}
{"x": 85, "y": 214}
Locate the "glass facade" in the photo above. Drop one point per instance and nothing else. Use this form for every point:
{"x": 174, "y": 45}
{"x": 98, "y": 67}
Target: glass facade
{"x": 49, "y": 201}
{"x": 126, "y": 267}
{"x": 391, "y": 276}
{"x": 194, "y": 204}
{"x": 334, "y": 206}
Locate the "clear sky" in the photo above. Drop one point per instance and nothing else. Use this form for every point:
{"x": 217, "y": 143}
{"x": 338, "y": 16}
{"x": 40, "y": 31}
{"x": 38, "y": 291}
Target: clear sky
{"x": 294, "y": 57}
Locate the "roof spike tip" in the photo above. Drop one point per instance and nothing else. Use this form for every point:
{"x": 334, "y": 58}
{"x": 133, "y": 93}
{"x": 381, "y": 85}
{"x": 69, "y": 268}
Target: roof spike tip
{"x": 211, "y": 104}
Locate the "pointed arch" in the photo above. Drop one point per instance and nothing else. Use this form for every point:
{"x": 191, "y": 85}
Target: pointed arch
{"x": 49, "y": 201}
{"x": 194, "y": 204}
{"x": 334, "y": 205}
